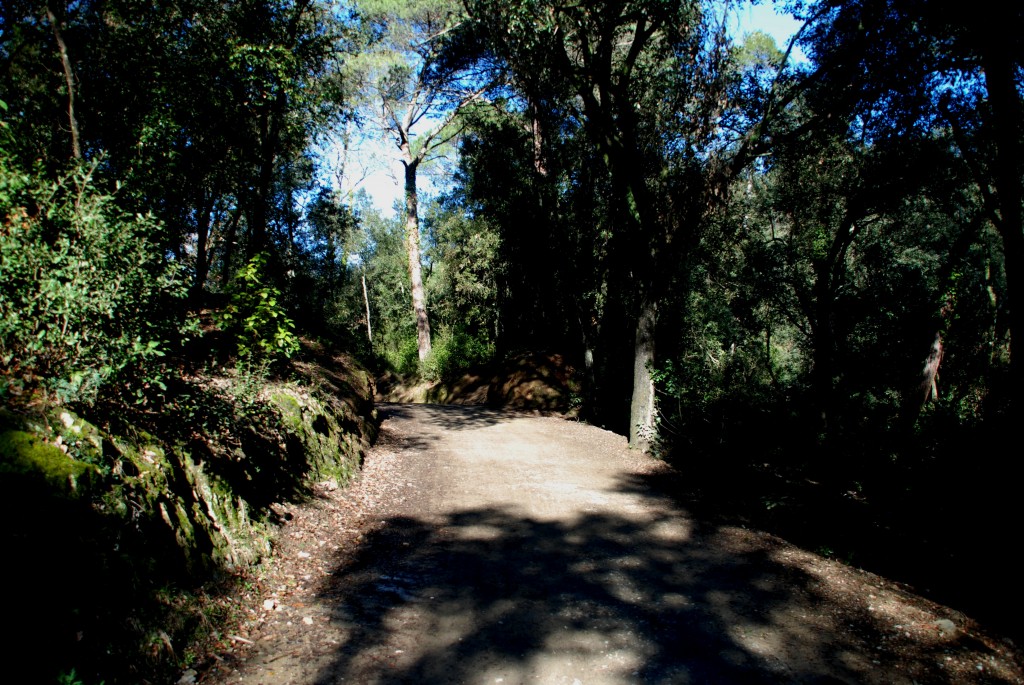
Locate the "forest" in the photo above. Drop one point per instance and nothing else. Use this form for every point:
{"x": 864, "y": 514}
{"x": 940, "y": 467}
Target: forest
{"x": 793, "y": 279}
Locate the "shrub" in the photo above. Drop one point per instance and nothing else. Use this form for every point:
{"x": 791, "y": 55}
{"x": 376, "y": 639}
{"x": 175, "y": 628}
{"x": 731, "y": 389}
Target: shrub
{"x": 406, "y": 358}
{"x": 255, "y": 316}
{"x": 454, "y": 350}
{"x": 81, "y": 284}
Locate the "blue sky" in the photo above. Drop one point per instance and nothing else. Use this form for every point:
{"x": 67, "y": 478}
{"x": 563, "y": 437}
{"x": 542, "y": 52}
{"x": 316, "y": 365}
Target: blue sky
{"x": 764, "y": 17}
{"x": 381, "y": 175}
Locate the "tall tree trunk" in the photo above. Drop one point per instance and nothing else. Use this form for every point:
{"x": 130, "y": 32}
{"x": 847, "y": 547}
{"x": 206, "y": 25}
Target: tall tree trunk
{"x": 829, "y": 275}
{"x": 205, "y": 219}
{"x": 641, "y": 242}
{"x": 366, "y": 301}
{"x": 928, "y": 388}
{"x": 538, "y": 139}
{"x": 69, "y": 79}
{"x": 824, "y": 342}
{"x": 642, "y": 408}
{"x": 412, "y": 246}
{"x": 230, "y": 243}
{"x": 260, "y": 197}
{"x": 1000, "y": 81}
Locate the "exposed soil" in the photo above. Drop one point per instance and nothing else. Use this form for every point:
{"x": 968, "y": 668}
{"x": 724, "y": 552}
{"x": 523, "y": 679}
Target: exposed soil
{"x": 486, "y": 546}
{"x": 540, "y": 381}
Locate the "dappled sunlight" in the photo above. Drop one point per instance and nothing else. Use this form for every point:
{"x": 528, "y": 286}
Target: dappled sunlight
{"x": 489, "y": 593}
{"x": 537, "y": 550}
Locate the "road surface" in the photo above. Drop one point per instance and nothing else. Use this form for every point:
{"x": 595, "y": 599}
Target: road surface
{"x": 508, "y": 548}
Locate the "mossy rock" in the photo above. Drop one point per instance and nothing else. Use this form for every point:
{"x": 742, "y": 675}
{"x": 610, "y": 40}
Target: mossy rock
{"x": 290, "y": 409}
{"x": 85, "y": 441}
{"x": 166, "y": 505}
{"x": 322, "y": 426}
{"x": 27, "y": 455}
{"x": 137, "y": 458}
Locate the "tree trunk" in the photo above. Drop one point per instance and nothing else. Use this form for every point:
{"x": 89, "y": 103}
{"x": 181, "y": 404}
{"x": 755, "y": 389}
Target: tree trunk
{"x": 230, "y": 243}
{"x": 928, "y": 388}
{"x": 69, "y": 79}
{"x": 538, "y": 140}
{"x": 260, "y": 196}
{"x": 366, "y": 301}
{"x": 412, "y": 246}
{"x": 1000, "y": 82}
{"x": 642, "y": 407}
{"x": 202, "y": 254}
{"x": 824, "y": 342}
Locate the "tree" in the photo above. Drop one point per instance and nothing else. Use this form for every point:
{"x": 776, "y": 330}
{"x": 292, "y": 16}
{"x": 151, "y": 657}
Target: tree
{"x": 325, "y": 291}
{"x": 413, "y": 105}
{"x": 465, "y": 265}
{"x": 81, "y": 281}
{"x": 644, "y": 79}
{"x": 384, "y": 263}
{"x": 203, "y": 113}
{"x": 903, "y": 68}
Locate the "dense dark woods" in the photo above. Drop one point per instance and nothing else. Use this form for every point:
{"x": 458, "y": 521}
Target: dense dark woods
{"x": 798, "y": 280}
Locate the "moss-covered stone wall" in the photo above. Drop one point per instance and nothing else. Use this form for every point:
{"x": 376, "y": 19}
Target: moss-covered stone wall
{"x": 110, "y": 525}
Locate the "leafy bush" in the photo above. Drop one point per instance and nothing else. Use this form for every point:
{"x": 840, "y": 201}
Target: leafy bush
{"x": 406, "y": 358}
{"x": 256, "y": 317}
{"x": 80, "y": 284}
{"x": 455, "y": 350}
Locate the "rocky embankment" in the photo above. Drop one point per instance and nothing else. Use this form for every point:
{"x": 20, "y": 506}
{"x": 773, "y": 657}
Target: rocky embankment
{"x": 127, "y": 533}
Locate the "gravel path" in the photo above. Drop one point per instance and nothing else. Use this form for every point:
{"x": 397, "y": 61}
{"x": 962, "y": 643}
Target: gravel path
{"x": 482, "y": 546}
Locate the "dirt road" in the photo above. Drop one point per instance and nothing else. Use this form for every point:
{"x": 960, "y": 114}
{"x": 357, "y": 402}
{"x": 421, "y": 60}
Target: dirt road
{"x": 490, "y": 547}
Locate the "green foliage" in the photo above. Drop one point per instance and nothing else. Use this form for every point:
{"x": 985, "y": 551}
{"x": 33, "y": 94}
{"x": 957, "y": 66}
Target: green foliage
{"x": 384, "y": 265}
{"x": 325, "y": 293}
{"x": 255, "y": 316}
{"x": 461, "y": 284}
{"x": 455, "y": 350}
{"x": 724, "y": 369}
{"x": 80, "y": 281}
{"x": 71, "y": 678}
{"x": 406, "y": 359}
{"x": 466, "y": 268}
{"x": 251, "y": 376}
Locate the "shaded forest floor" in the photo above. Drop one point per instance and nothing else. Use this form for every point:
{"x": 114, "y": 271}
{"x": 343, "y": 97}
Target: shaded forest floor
{"x": 944, "y": 538}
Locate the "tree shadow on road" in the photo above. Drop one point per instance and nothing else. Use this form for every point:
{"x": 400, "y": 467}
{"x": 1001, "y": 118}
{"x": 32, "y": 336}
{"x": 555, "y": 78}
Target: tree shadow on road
{"x": 489, "y": 595}
{"x": 449, "y": 417}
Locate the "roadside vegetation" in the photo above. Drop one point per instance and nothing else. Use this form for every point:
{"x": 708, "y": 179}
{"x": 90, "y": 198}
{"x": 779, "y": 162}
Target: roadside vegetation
{"x": 794, "y": 280}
